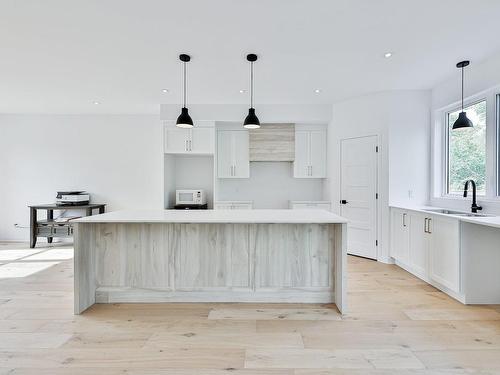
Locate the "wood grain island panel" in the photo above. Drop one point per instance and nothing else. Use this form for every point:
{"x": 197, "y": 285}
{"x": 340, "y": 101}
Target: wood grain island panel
{"x": 126, "y": 262}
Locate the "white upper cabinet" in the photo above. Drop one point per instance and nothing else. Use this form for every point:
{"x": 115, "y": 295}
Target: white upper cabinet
{"x": 233, "y": 154}
{"x": 189, "y": 141}
{"x": 202, "y": 140}
{"x": 310, "y": 154}
{"x": 176, "y": 140}
{"x": 301, "y": 163}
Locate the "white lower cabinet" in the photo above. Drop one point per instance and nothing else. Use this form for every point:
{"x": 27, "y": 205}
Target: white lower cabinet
{"x": 428, "y": 246}
{"x": 419, "y": 244}
{"x": 444, "y": 254}
{"x": 400, "y": 240}
{"x": 233, "y": 205}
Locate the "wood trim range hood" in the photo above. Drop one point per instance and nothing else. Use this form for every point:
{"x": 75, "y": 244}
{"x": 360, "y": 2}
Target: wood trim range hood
{"x": 272, "y": 142}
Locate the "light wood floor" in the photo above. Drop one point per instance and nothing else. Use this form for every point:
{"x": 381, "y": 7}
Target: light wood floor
{"x": 396, "y": 325}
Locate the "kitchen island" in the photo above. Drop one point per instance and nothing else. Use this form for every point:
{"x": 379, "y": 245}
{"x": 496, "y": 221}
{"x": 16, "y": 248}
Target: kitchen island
{"x": 210, "y": 256}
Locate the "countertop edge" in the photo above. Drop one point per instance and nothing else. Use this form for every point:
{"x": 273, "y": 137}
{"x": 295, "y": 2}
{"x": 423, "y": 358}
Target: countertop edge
{"x": 490, "y": 221}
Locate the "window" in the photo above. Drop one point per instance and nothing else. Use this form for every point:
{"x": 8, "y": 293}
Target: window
{"x": 497, "y": 119}
{"x": 467, "y": 150}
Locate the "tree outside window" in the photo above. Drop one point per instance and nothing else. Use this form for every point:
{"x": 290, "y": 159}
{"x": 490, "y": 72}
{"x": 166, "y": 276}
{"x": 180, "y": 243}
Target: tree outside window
{"x": 467, "y": 150}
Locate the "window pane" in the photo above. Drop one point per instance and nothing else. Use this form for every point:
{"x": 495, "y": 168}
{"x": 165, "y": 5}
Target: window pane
{"x": 467, "y": 150}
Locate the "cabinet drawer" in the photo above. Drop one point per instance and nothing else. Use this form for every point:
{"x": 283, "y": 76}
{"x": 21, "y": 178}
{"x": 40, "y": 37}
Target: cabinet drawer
{"x": 44, "y": 230}
{"x": 233, "y": 205}
{"x": 61, "y": 230}
{"x": 310, "y": 206}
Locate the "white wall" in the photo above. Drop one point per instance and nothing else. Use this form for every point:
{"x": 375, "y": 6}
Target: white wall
{"x": 401, "y": 120}
{"x": 118, "y": 159}
{"x": 271, "y": 185}
{"x": 478, "y": 77}
{"x": 188, "y": 172}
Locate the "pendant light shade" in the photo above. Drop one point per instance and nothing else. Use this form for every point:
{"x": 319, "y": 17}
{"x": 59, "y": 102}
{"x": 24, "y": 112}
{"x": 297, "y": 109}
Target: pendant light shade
{"x": 462, "y": 121}
{"x": 184, "y": 120}
{"x": 251, "y": 121}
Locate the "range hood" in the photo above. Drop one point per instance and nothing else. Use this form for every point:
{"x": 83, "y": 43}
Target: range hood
{"x": 272, "y": 142}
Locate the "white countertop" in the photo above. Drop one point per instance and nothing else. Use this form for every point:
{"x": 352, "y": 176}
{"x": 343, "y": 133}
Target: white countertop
{"x": 216, "y": 216}
{"x": 491, "y": 221}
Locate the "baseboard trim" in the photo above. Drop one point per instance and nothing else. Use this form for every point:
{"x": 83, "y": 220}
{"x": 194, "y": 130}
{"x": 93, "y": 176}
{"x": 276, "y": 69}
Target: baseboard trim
{"x": 139, "y": 295}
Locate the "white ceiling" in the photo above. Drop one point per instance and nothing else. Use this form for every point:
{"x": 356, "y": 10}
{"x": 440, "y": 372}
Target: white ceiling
{"x": 59, "y": 56}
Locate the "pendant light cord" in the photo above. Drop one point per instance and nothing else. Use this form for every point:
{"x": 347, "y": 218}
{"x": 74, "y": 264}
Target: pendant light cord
{"x": 184, "y": 84}
{"x": 251, "y": 84}
{"x": 462, "y": 88}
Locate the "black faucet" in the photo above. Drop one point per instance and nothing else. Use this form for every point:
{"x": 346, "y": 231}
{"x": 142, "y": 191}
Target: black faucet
{"x": 474, "y": 207}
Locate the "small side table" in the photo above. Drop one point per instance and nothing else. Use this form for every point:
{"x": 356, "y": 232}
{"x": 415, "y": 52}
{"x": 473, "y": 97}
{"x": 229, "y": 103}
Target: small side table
{"x": 49, "y": 228}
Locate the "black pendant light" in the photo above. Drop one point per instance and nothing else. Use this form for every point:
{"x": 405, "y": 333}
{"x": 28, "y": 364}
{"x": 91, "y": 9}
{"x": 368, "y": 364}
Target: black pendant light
{"x": 462, "y": 121}
{"x": 251, "y": 121}
{"x": 184, "y": 120}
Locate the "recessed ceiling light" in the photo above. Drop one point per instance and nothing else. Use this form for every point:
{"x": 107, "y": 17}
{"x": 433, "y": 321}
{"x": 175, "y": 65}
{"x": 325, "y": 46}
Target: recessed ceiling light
{"x": 165, "y": 90}
{"x": 387, "y": 55}
{"x": 243, "y": 91}
{"x": 317, "y": 91}
{"x": 97, "y": 103}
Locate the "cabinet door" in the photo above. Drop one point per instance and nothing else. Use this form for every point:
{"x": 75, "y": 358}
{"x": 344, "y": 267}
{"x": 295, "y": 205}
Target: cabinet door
{"x": 317, "y": 154}
{"x": 241, "y": 165}
{"x": 301, "y": 162}
{"x": 419, "y": 244}
{"x": 176, "y": 140}
{"x": 202, "y": 140}
{"x": 444, "y": 252}
{"x": 224, "y": 154}
{"x": 400, "y": 235}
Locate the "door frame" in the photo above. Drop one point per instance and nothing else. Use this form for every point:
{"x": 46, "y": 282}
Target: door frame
{"x": 378, "y": 211}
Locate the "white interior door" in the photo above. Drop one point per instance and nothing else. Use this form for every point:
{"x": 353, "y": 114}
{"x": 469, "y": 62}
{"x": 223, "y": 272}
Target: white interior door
{"x": 358, "y": 194}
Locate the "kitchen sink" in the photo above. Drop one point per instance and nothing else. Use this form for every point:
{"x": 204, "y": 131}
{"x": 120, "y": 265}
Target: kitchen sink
{"x": 455, "y": 213}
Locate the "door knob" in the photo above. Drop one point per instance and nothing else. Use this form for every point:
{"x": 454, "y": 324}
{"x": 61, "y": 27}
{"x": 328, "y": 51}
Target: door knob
{"x": 343, "y": 201}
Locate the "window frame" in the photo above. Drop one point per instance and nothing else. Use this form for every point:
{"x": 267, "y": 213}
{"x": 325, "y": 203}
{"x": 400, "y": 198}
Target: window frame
{"x": 446, "y": 147}
{"x": 439, "y": 195}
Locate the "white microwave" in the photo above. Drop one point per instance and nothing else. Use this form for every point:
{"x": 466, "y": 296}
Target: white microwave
{"x": 190, "y": 197}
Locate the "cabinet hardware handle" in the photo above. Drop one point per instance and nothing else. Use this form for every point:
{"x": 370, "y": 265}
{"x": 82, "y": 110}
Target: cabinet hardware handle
{"x": 425, "y": 225}
{"x": 404, "y": 220}
{"x": 429, "y": 226}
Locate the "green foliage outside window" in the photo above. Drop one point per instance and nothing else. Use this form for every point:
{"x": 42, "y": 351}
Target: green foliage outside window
{"x": 467, "y": 150}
